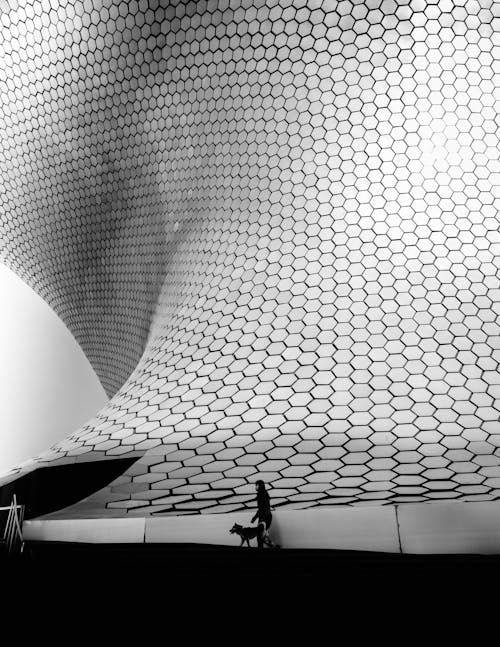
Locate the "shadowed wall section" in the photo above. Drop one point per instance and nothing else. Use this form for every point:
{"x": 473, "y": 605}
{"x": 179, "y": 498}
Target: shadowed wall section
{"x": 273, "y": 228}
{"x": 48, "y": 489}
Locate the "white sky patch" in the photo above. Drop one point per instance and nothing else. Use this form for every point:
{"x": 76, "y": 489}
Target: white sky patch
{"x": 47, "y": 387}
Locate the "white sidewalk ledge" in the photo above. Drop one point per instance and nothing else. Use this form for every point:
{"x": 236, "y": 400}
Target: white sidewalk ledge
{"x": 454, "y": 527}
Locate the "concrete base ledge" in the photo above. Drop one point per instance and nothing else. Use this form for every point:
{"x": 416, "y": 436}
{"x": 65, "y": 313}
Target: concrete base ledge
{"x": 93, "y": 531}
{"x": 440, "y": 528}
{"x": 432, "y": 528}
{"x": 343, "y": 529}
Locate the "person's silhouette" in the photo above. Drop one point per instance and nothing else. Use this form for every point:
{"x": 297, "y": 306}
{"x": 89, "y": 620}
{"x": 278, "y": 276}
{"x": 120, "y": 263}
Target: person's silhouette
{"x": 263, "y": 513}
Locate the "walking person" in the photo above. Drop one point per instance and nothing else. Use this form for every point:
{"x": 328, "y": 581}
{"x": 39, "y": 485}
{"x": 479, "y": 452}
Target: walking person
{"x": 263, "y": 514}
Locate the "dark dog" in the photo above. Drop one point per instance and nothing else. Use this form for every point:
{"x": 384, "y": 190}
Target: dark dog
{"x": 258, "y": 532}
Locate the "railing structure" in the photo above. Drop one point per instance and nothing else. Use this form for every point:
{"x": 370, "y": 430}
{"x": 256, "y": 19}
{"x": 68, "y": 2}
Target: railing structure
{"x": 12, "y": 541}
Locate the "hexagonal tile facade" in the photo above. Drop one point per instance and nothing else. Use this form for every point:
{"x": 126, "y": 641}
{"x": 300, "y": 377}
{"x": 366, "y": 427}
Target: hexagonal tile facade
{"x": 273, "y": 228}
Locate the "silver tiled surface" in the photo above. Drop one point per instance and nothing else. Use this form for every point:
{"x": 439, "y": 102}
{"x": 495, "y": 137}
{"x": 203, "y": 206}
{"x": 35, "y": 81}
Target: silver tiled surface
{"x": 273, "y": 228}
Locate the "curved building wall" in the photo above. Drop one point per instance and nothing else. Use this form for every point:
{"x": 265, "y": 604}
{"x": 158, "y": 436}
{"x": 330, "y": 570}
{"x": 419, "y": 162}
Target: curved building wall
{"x": 273, "y": 228}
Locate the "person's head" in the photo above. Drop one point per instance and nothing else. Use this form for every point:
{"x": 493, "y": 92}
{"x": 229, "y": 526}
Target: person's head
{"x": 260, "y": 486}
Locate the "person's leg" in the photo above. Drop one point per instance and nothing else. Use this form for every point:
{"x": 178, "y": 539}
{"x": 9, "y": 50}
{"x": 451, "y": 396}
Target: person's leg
{"x": 268, "y": 520}
{"x": 260, "y": 535}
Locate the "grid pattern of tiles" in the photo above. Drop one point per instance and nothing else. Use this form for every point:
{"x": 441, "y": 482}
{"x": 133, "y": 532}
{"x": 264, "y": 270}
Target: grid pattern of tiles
{"x": 273, "y": 228}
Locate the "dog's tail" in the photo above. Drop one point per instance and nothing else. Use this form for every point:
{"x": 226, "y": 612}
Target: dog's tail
{"x": 263, "y": 531}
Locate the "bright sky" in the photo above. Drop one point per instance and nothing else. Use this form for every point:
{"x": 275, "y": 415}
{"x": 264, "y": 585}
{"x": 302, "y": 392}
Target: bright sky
{"x": 47, "y": 387}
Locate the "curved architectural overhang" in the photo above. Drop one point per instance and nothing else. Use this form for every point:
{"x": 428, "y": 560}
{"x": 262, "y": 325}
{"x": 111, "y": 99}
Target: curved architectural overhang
{"x": 273, "y": 228}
